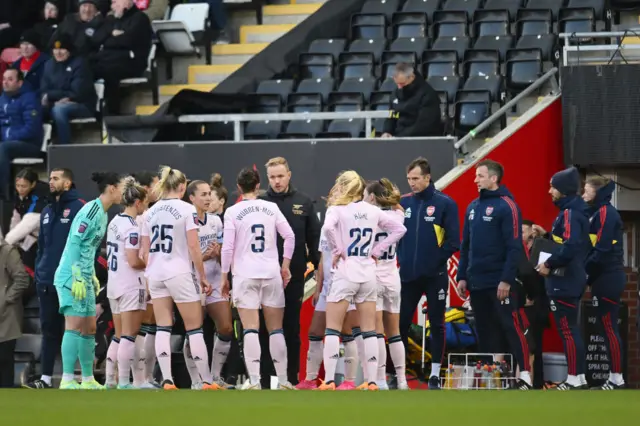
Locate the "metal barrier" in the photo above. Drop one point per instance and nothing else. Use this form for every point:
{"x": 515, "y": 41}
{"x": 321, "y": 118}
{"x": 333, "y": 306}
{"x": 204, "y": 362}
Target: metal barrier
{"x": 572, "y": 45}
{"x": 548, "y": 76}
{"x": 238, "y": 119}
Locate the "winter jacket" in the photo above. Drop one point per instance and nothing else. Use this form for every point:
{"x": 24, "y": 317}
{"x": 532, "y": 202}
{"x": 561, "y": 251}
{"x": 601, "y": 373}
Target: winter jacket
{"x": 605, "y": 233}
{"x": 491, "y": 240}
{"x": 21, "y": 117}
{"x": 433, "y": 234}
{"x": 14, "y": 281}
{"x": 70, "y": 79}
{"x": 25, "y": 222}
{"x": 35, "y": 73}
{"x": 82, "y": 33}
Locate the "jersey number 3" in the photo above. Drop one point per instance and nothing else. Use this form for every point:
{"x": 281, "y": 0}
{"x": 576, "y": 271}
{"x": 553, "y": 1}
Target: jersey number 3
{"x": 361, "y": 242}
{"x": 163, "y": 239}
{"x": 258, "y": 237}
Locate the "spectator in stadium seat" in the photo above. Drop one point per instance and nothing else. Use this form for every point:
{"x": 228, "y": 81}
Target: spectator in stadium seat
{"x": 13, "y": 281}
{"x": 15, "y": 17}
{"x": 154, "y": 9}
{"x": 82, "y": 27}
{"x": 300, "y": 213}
{"x": 20, "y": 124}
{"x": 67, "y": 88}
{"x": 415, "y": 108}
{"x": 32, "y": 197}
{"x": 53, "y": 14}
{"x": 32, "y": 59}
{"x": 55, "y": 222}
{"x": 125, "y": 42}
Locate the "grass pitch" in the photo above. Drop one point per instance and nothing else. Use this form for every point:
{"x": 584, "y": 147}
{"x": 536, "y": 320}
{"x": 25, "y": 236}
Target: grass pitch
{"x": 308, "y": 408}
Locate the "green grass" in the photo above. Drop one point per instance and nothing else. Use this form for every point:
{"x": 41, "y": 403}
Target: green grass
{"x": 308, "y": 408}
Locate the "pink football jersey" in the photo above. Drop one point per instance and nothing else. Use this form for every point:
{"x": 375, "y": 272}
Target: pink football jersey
{"x": 387, "y": 263}
{"x": 123, "y": 234}
{"x": 250, "y": 229}
{"x": 210, "y": 231}
{"x": 350, "y": 231}
{"x": 167, "y": 224}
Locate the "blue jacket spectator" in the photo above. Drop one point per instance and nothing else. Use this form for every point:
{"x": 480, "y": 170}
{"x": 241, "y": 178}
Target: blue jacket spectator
{"x": 571, "y": 231}
{"x": 32, "y": 59}
{"x": 20, "y": 124}
{"x": 491, "y": 240}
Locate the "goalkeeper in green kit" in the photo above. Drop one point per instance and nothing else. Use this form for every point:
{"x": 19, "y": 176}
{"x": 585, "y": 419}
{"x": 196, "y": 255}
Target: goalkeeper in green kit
{"x": 77, "y": 285}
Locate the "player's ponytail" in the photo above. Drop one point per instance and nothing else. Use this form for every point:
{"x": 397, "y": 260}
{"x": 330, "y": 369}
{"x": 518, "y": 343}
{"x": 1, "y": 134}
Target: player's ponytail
{"x": 348, "y": 188}
{"x": 105, "y": 179}
{"x": 132, "y": 191}
{"x": 217, "y": 186}
{"x": 170, "y": 180}
{"x": 385, "y": 193}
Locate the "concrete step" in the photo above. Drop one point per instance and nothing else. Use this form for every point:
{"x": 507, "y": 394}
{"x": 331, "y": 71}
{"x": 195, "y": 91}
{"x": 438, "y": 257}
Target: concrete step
{"x": 263, "y": 33}
{"x": 288, "y": 14}
{"x": 206, "y": 74}
{"x": 167, "y": 91}
{"x": 229, "y": 54}
{"x": 146, "y": 109}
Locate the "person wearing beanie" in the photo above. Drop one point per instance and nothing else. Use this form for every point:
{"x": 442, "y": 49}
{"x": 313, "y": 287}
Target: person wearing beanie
{"x": 52, "y": 13}
{"x": 82, "y": 27}
{"x": 15, "y": 17}
{"x": 564, "y": 271}
{"x": 67, "y": 88}
{"x": 32, "y": 59}
{"x": 490, "y": 253}
{"x": 605, "y": 267}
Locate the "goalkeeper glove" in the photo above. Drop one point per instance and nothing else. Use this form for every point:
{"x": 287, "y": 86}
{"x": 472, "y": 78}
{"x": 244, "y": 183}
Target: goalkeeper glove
{"x": 96, "y": 284}
{"x": 78, "y": 287}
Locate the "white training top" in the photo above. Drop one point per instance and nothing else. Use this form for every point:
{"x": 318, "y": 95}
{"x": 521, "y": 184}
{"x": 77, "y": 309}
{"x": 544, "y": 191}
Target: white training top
{"x": 123, "y": 234}
{"x": 210, "y": 231}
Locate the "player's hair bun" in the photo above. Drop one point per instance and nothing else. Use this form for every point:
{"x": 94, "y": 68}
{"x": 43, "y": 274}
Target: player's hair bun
{"x": 97, "y": 177}
{"x": 216, "y": 180}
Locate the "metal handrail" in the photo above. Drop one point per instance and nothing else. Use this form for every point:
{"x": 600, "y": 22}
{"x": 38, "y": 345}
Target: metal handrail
{"x": 489, "y": 121}
{"x": 237, "y": 119}
{"x": 592, "y": 34}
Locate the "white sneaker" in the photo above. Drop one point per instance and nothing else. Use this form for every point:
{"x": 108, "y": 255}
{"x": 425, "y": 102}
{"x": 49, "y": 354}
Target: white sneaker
{"x": 382, "y": 385}
{"x": 403, "y": 386}
{"x": 147, "y": 385}
{"x": 286, "y": 386}
{"x": 248, "y": 386}
{"x": 196, "y": 386}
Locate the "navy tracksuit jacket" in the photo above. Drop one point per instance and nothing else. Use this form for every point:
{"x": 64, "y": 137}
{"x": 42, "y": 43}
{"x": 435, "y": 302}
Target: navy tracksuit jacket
{"x": 490, "y": 253}
{"x": 433, "y": 236}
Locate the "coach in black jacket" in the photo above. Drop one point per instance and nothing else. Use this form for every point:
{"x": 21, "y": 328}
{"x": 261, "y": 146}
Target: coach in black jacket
{"x": 298, "y": 208}
{"x": 415, "y": 108}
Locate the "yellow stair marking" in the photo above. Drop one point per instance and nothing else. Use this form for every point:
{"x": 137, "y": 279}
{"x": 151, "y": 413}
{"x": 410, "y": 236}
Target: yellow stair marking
{"x": 290, "y": 9}
{"x": 631, "y": 40}
{"x": 172, "y": 89}
{"x": 246, "y": 30}
{"x": 146, "y": 109}
{"x": 210, "y": 69}
{"x": 238, "y": 49}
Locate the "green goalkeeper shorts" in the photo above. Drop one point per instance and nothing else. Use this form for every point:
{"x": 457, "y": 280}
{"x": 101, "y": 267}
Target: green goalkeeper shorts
{"x": 70, "y": 307}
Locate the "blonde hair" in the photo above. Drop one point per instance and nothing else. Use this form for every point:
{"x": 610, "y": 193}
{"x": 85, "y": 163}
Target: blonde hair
{"x": 597, "y": 182}
{"x": 348, "y": 188}
{"x": 386, "y": 194}
{"x": 277, "y": 161}
{"x": 132, "y": 191}
{"x": 170, "y": 180}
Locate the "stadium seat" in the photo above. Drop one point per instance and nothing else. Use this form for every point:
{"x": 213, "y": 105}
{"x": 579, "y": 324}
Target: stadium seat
{"x": 364, "y": 85}
{"x": 302, "y": 129}
{"x": 424, "y": 6}
{"x": 346, "y": 101}
{"x": 456, "y": 44}
{"x": 446, "y": 84}
{"x": 482, "y": 71}
{"x": 472, "y": 108}
{"x": 577, "y": 20}
{"x": 373, "y": 46}
{"x": 31, "y": 325}
{"x": 534, "y": 30}
{"x": 468, "y": 6}
{"x": 387, "y": 85}
{"x": 553, "y": 5}
{"x": 368, "y": 26}
{"x": 315, "y": 65}
{"x": 439, "y": 56}
{"x": 524, "y": 66}
{"x": 409, "y": 24}
{"x": 263, "y": 129}
{"x": 281, "y": 88}
{"x": 380, "y": 101}
{"x": 439, "y": 69}
{"x": 30, "y": 343}
{"x": 492, "y": 31}
{"x": 266, "y": 103}
{"x": 321, "y": 86}
{"x": 598, "y": 7}
{"x": 356, "y": 65}
{"x": 333, "y": 46}
{"x": 149, "y": 79}
{"x": 344, "y": 128}
{"x": 546, "y": 43}
{"x": 511, "y": 6}
{"x": 385, "y": 7}
{"x": 450, "y": 24}
{"x": 390, "y": 59}
{"x": 305, "y": 102}
{"x": 413, "y": 44}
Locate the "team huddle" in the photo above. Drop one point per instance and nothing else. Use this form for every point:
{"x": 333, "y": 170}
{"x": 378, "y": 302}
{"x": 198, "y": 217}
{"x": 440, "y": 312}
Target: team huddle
{"x": 177, "y": 251}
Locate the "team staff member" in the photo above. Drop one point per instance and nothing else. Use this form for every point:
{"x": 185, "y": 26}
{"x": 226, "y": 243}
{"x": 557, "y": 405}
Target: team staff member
{"x": 605, "y": 266}
{"x": 565, "y": 273}
{"x": 55, "y": 222}
{"x": 299, "y": 211}
{"x": 433, "y": 236}
{"x": 489, "y": 256}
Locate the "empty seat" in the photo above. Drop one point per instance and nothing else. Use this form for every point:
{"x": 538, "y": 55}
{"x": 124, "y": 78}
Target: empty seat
{"x": 412, "y": 44}
{"x": 332, "y": 46}
{"x": 321, "y": 86}
{"x": 450, "y": 24}
{"x": 263, "y": 129}
{"x": 344, "y": 128}
{"x": 390, "y": 59}
{"x": 387, "y": 85}
{"x": 276, "y": 87}
{"x": 368, "y": 26}
{"x": 315, "y": 65}
{"x": 410, "y": 24}
{"x": 346, "y": 101}
{"x": 491, "y": 83}
{"x": 447, "y": 84}
{"x": 356, "y": 65}
{"x": 440, "y": 63}
{"x": 598, "y": 6}
{"x": 497, "y": 43}
{"x": 553, "y": 5}
{"x": 533, "y": 15}
{"x": 524, "y": 66}
{"x": 302, "y": 129}
{"x": 577, "y": 20}
{"x": 424, "y": 6}
{"x": 305, "y": 102}
{"x": 482, "y": 71}
{"x": 468, "y": 6}
{"x": 511, "y": 6}
{"x": 546, "y": 43}
{"x": 472, "y": 108}
{"x": 491, "y": 22}
{"x": 363, "y": 85}
{"x": 385, "y": 7}
{"x": 373, "y": 46}
{"x": 266, "y": 103}
{"x": 456, "y": 44}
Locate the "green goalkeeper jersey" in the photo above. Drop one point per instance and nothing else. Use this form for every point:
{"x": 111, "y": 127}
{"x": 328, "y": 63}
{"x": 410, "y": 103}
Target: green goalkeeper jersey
{"x": 87, "y": 231}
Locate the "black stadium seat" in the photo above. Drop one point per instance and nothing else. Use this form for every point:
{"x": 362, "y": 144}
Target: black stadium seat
{"x": 450, "y": 24}
{"x": 373, "y": 46}
{"x": 482, "y": 71}
{"x": 440, "y": 63}
{"x": 598, "y": 6}
{"x": 468, "y": 6}
{"x": 305, "y": 102}
{"x": 410, "y": 24}
{"x": 276, "y": 87}
{"x": 553, "y": 5}
{"x": 266, "y": 104}
{"x": 31, "y": 325}
{"x": 263, "y": 129}
{"x": 302, "y": 129}
{"x": 524, "y": 66}
{"x": 577, "y": 20}
{"x": 390, "y": 59}
{"x": 364, "y": 85}
{"x": 447, "y": 84}
{"x": 30, "y": 344}
{"x": 472, "y": 108}
{"x": 385, "y": 7}
{"x": 344, "y": 128}
{"x": 356, "y": 65}
{"x": 534, "y": 30}
{"x": 413, "y": 44}
{"x": 511, "y": 6}
{"x": 322, "y": 86}
{"x": 492, "y": 31}
{"x": 315, "y": 65}
{"x": 368, "y": 26}
{"x": 456, "y": 44}
{"x": 346, "y": 101}
{"x": 387, "y": 85}
{"x": 333, "y": 46}
{"x": 424, "y": 6}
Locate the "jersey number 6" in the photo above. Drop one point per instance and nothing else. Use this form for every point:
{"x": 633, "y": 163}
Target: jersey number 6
{"x": 162, "y": 238}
